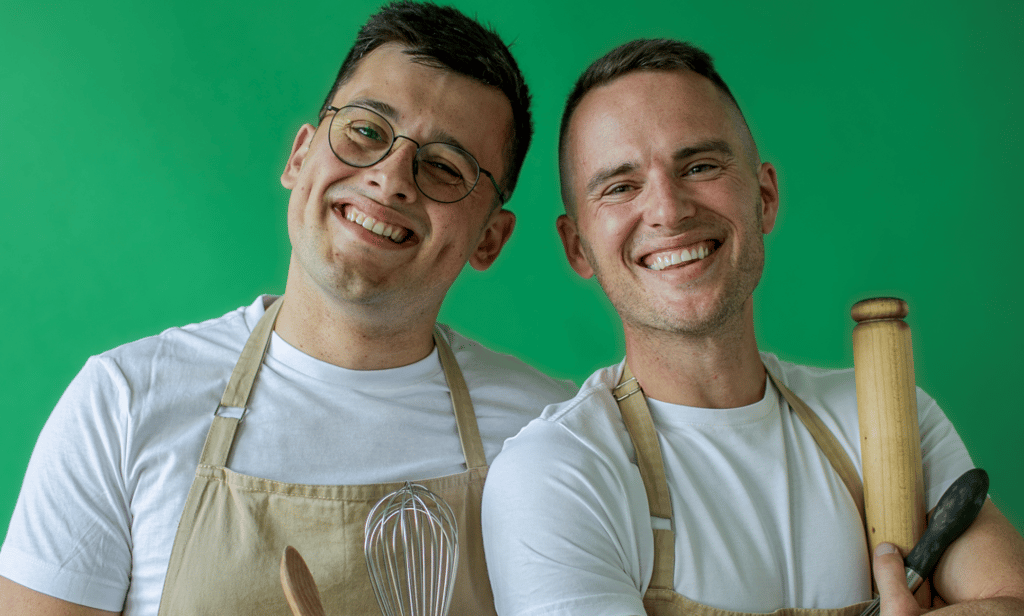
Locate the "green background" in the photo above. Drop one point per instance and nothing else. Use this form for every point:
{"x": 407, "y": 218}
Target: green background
{"x": 141, "y": 146}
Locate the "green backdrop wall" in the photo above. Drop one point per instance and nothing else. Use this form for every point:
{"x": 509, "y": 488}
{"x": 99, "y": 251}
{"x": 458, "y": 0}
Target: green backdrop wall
{"x": 141, "y": 145}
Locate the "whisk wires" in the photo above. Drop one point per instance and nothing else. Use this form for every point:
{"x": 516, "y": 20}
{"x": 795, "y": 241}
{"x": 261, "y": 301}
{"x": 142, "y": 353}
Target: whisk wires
{"x": 411, "y": 546}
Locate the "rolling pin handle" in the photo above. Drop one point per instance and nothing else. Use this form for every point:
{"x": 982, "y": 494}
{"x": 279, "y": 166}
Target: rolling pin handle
{"x": 880, "y": 309}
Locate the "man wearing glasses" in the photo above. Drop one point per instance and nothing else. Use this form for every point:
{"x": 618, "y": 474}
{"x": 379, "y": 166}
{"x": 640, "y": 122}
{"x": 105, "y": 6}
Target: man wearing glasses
{"x": 175, "y": 470}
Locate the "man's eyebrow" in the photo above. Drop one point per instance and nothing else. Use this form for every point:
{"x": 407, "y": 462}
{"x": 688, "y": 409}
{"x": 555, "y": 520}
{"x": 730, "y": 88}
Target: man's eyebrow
{"x": 393, "y": 115}
{"x": 441, "y": 136}
{"x": 380, "y": 107}
{"x": 712, "y": 145}
{"x": 603, "y": 175}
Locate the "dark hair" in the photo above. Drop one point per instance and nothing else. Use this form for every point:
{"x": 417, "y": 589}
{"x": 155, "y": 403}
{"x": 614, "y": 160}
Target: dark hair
{"x": 637, "y": 55}
{"x": 443, "y": 37}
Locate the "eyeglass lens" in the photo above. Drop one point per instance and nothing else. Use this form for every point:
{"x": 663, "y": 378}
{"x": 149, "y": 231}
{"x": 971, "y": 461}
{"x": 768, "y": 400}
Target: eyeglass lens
{"x": 362, "y": 138}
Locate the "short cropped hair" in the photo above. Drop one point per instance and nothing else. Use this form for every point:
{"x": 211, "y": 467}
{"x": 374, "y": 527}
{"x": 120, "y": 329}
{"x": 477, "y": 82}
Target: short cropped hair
{"x": 637, "y": 55}
{"x": 443, "y": 37}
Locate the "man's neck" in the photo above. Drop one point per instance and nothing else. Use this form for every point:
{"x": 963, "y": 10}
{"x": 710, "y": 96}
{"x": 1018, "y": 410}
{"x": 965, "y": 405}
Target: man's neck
{"x": 721, "y": 370}
{"x": 352, "y": 337}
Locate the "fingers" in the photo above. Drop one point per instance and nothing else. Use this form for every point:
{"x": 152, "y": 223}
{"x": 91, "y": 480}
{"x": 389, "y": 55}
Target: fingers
{"x": 889, "y": 571}
{"x": 891, "y": 579}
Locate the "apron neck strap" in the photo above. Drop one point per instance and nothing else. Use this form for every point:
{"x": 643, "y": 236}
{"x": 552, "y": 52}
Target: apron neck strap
{"x": 243, "y": 377}
{"x": 637, "y": 416}
{"x": 236, "y": 394}
{"x": 222, "y": 432}
{"x": 465, "y": 417}
{"x": 827, "y": 442}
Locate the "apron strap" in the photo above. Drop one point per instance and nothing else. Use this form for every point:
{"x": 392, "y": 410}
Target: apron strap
{"x": 637, "y": 417}
{"x": 236, "y": 395}
{"x": 465, "y": 417}
{"x": 218, "y": 441}
{"x": 828, "y": 444}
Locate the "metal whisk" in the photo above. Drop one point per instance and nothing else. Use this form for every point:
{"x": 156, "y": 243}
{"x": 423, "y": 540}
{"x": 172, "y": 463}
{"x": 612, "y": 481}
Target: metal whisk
{"x": 412, "y": 552}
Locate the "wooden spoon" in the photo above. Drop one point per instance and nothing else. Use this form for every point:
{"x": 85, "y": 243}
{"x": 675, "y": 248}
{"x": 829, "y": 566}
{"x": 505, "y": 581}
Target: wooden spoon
{"x": 299, "y": 586}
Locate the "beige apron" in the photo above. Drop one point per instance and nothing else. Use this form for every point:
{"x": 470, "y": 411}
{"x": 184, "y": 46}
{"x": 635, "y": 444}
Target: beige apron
{"x": 227, "y": 551}
{"x": 661, "y": 599}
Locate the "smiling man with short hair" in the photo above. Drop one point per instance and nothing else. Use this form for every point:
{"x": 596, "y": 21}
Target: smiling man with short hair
{"x": 175, "y": 469}
{"x": 688, "y": 478}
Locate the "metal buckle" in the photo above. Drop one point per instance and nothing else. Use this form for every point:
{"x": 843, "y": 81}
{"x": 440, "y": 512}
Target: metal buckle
{"x": 630, "y": 393}
{"x": 240, "y": 416}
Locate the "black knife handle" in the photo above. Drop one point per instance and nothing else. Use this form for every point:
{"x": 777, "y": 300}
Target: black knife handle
{"x": 956, "y": 510}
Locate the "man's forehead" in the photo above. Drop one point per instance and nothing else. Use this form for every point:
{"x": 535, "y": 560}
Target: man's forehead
{"x": 645, "y": 108}
{"x": 387, "y": 64}
{"x": 650, "y": 95}
{"x": 398, "y": 66}
{"x": 450, "y": 107}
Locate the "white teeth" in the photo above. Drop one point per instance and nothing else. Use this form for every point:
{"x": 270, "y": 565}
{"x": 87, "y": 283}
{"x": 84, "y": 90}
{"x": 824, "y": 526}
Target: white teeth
{"x": 683, "y": 255}
{"x": 375, "y": 226}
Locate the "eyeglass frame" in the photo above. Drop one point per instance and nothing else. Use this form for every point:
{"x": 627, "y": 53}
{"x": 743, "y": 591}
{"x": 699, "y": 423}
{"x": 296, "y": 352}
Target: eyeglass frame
{"x": 490, "y": 176}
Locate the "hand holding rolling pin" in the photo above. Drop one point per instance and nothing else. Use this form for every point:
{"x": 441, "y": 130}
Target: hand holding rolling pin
{"x": 990, "y": 570}
{"x": 895, "y": 598}
{"x": 955, "y": 511}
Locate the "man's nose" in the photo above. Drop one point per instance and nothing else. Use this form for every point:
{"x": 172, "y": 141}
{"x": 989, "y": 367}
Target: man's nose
{"x": 392, "y": 176}
{"x": 667, "y": 203}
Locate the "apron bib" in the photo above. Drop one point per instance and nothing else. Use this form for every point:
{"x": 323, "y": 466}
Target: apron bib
{"x": 661, "y": 598}
{"x": 227, "y": 551}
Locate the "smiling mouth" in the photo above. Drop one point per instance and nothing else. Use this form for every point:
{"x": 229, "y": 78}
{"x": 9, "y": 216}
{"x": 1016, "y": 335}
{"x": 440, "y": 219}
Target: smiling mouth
{"x": 394, "y": 233}
{"x": 680, "y": 256}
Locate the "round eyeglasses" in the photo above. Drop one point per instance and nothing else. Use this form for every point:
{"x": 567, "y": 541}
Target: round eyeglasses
{"x": 443, "y": 172}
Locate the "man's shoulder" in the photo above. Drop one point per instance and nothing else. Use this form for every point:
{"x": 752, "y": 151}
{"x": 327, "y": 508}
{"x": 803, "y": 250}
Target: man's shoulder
{"x": 484, "y": 367}
{"x": 589, "y": 420}
{"x": 594, "y": 396}
{"x": 828, "y": 384}
{"x": 580, "y": 445}
{"x": 830, "y": 393}
{"x": 192, "y": 343}
{"x": 811, "y": 381}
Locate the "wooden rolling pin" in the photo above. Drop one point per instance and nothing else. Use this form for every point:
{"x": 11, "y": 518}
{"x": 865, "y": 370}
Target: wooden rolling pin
{"x": 890, "y": 436}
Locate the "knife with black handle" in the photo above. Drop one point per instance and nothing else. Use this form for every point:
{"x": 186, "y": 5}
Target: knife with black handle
{"x": 956, "y": 510}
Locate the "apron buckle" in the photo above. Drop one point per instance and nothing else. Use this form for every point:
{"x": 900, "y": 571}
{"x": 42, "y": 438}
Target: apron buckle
{"x": 619, "y": 398}
{"x": 239, "y": 415}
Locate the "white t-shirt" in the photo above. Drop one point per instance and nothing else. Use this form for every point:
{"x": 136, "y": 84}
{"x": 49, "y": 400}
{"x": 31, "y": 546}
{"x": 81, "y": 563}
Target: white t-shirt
{"x": 762, "y": 521}
{"x": 107, "y": 481}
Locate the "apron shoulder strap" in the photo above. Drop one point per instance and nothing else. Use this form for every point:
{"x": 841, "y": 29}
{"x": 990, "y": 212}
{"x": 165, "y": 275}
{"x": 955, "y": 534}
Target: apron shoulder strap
{"x": 236, "y": 395}
{"x": 637, "y": 417}
{"x": 465, "y": 416}
{"x": 827, "y": 442}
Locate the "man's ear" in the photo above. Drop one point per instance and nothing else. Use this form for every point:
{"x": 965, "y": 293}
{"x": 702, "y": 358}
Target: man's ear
{"x": 300, "y": 147}
{"x": 571, "y": 242}
{"x": 769, "y": 196}
{"x": 493, "y": 238}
